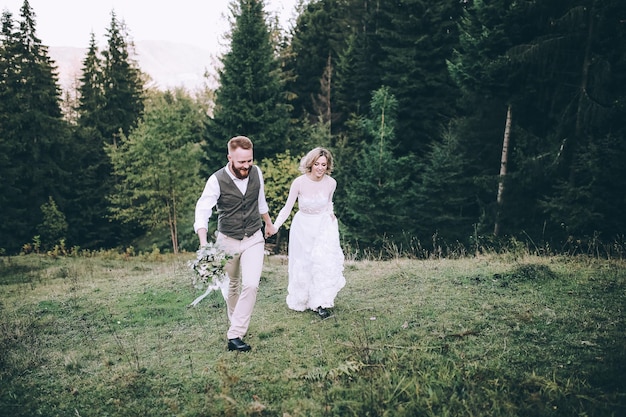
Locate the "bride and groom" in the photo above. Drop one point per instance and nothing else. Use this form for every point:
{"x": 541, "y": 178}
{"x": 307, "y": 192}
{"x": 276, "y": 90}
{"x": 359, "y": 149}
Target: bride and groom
{"x": 237, "y": 192}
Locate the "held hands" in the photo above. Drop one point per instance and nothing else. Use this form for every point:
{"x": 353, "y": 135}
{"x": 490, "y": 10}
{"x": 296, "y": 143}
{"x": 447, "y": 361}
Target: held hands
{"x": 270, "y": 230}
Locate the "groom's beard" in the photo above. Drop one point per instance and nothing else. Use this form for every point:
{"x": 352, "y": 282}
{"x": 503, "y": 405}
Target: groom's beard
{"x": 241, "y": 173}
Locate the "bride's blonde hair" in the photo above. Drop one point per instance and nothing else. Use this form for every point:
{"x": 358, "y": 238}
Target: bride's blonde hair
{"x": 306, "y": 163}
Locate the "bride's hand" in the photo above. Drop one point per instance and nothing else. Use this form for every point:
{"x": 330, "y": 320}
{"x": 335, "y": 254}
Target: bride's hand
{"x": 270, "y": 230}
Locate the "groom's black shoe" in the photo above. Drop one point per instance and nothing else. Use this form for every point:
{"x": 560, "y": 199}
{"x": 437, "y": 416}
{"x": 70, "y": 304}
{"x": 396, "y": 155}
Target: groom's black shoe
{"x": 238, "y": 345}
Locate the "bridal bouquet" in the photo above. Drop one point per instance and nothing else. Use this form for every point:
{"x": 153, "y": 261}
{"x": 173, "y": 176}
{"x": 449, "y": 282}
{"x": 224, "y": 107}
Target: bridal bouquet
{"x": 209, "y": 267}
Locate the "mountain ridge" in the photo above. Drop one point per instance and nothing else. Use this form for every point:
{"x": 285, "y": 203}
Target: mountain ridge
{"x": 168, "y": 64}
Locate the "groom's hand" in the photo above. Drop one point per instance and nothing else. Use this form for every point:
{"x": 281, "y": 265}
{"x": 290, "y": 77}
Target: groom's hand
{"x": 270, "y": 230}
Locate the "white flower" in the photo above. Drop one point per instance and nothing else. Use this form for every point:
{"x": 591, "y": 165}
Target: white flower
{"x": 209, "y": 267}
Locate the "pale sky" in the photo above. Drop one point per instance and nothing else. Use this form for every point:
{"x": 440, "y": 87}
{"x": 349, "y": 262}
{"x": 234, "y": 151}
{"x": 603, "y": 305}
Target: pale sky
{"x": 195, "y": 22}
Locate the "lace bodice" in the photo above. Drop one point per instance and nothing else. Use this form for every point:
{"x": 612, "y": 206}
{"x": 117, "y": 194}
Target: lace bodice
{"x": 315, "y": 204}
{"x": 314, "y": 197}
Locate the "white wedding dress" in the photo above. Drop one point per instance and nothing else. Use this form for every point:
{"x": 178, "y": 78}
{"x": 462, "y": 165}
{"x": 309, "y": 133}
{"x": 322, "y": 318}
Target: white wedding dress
{"x": 315, "y": 255}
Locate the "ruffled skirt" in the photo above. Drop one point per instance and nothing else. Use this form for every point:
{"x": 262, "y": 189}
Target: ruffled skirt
{"x": 315, "y": 262}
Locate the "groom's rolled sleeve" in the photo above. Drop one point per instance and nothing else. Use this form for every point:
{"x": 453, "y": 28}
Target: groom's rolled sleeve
{"x": 205, "y": 204}
{"x": 263, "y": 207}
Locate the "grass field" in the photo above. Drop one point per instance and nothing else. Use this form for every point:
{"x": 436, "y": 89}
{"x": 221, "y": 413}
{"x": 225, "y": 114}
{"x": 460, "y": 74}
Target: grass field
{"x": 485, "y": 336}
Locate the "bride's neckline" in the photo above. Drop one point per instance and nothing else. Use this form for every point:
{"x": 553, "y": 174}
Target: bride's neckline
{"x": 310, "y": 177}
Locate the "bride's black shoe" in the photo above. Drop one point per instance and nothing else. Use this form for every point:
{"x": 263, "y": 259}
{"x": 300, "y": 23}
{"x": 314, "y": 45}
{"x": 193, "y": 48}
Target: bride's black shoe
{"x": 323, "y": 313}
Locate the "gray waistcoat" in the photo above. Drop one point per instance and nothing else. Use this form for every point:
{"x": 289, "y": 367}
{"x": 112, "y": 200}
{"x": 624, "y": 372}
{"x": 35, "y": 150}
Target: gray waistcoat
{"x": 238, "y": 215}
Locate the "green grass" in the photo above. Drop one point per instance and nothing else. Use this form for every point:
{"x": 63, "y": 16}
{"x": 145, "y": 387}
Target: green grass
{"x": 486, "y": 336}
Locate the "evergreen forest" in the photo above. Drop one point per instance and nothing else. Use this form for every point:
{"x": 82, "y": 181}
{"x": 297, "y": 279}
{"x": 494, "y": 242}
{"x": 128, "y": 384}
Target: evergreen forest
{"x": 455, "y": 125}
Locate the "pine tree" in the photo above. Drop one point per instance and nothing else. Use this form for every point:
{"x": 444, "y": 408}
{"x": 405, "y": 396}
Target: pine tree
{"x": 445, "y": 206}
{"x": 33, "y": 133}
{"x": 490, "y": 86}
{"x": 377, "y": 205}
{"x": 585, "y": 95}
{"x": 595, "y": 206}
{"x": 111, "y": 98}
{"x": 90, "y": 226}
{"x": 323, "y": 102}
{"x": 355, "y": 78}
{"x": 9, "y": 170}
{"x": 315, "y": 37}
{"x": 91, "y": 89}
{"x": 122, "y": 84}
{"x": 337, "y": 31}
{"x": 52, "y": 230}
{"x": 250, "y": 99}
{"x": 417, "y": 37}
{"x": 555, "y": 63}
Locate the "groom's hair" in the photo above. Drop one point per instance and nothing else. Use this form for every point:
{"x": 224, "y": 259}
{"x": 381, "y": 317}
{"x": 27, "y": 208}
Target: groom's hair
{"x": 239, "y": 142}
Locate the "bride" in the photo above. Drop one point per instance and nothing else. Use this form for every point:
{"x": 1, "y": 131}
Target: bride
{"x": 315, "y": 256}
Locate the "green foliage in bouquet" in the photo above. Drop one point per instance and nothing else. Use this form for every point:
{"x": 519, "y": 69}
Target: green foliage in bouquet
{"x": 209, "y": 266}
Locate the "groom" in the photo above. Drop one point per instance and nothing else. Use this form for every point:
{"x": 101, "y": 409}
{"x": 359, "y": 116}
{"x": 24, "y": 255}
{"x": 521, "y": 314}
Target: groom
{"x": 237, "y": 190}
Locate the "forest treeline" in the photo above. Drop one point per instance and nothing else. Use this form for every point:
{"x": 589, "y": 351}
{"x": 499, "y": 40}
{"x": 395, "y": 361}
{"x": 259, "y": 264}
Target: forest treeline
{"x": 453, "y": 123}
